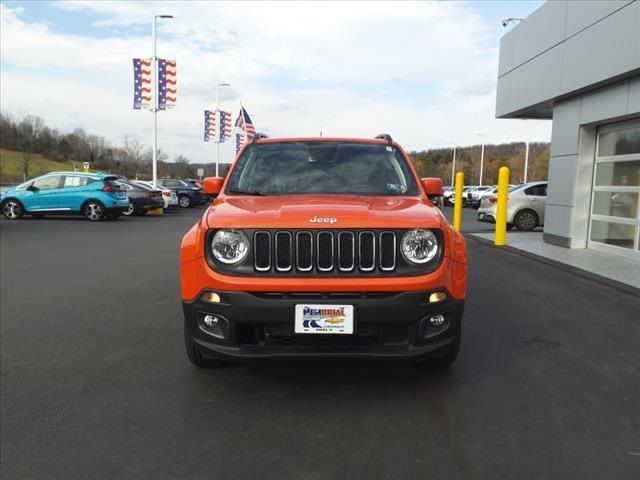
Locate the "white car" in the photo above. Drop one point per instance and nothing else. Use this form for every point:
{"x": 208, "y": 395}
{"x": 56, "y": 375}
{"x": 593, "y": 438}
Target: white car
{"x": 525, "y": 208}
{"x": 169, "y": 196}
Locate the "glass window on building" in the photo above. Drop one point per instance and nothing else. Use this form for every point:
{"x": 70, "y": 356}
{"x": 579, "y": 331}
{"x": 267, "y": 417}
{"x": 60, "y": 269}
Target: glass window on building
{"x": 615, "y": 216}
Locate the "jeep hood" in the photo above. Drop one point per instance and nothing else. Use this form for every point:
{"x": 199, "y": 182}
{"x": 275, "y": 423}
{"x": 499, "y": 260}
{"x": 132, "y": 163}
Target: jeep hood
{"x": 329, "y": 211}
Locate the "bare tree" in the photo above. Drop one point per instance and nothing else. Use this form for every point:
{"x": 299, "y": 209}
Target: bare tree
{"x": 28, "y": 133}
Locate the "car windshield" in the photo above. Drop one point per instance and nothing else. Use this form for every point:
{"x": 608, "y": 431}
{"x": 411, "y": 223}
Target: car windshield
{"x": 347, "y": 168}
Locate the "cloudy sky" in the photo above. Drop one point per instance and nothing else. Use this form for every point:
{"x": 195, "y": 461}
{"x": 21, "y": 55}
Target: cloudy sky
{"x": 423, "y": 71}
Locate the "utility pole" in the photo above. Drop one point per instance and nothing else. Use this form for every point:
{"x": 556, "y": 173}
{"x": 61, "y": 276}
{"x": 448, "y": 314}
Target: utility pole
{"x": 481, "y": 162}
{"x": 155, "y": 96}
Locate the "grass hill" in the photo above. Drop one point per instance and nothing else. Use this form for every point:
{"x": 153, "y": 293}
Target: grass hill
{"x": 11, "y": 166}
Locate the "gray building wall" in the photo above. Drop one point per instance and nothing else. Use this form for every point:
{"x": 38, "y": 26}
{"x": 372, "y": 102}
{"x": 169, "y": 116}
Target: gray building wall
{"x": 573, "y": 140}
{"x": 577, "y": 62}
{"x": 564, "y": 48}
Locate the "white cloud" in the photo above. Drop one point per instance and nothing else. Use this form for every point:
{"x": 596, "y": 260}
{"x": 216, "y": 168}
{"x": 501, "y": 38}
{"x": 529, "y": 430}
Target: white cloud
{"x": 298, "y": 68}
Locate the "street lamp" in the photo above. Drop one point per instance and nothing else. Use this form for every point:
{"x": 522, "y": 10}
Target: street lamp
{"x": 526, "y": 161}
{"x": 507, "y": 20}
{"x": 219, "y": 126}
{"x": 481, "y": 135}
{"x": 154, "y": 92}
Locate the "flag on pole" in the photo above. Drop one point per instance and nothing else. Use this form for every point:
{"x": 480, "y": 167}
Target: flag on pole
{"x": 225, "y": 126}
{"x": 209, "y": 125}
{"x": 239, "y": 142}
{"x": 244, "y": 122}
{"x": 167, "y": 84}
{"x": 141, "y": 83}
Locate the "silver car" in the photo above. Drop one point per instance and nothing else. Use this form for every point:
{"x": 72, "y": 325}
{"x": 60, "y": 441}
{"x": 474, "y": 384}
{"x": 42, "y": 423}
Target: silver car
{"x": 525, "y": 209}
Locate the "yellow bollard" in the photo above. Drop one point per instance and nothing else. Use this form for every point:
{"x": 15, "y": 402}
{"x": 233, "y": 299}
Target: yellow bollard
{"x": 457, "y": 208}
{"x": 501, "y": 207}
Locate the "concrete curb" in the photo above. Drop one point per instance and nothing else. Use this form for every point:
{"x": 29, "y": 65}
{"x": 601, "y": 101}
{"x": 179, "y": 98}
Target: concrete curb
{"x": 618, "y": 286}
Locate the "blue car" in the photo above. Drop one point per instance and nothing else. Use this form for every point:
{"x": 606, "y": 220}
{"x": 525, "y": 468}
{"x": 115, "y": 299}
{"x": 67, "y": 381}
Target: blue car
{"x": 94, "y": 195}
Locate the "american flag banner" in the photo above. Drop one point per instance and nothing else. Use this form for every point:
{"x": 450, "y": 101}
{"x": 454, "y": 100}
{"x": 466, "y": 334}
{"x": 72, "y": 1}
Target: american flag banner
{"x": 244, "y": 122}
{"x": 167, "y": 84}
{"x": 225, "y": 126}
{"x": 209, "y": 125}
{"x": 239, "y": 142}
{"x": 141, "y": 83}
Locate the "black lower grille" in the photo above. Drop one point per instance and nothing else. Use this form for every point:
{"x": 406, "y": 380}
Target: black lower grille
{"x": 282, "y": 335}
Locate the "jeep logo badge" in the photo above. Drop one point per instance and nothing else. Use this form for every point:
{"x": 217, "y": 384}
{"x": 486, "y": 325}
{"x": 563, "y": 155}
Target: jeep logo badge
{"x": 331, "y": 220}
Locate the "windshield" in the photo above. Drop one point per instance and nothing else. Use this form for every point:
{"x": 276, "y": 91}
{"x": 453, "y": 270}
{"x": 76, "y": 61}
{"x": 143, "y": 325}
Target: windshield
{"x": 322, "y": 168}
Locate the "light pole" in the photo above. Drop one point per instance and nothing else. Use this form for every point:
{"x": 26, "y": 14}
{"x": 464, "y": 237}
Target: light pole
{"x": 481, "y": 134}
{"x": 526, "y": 161}
{"x": 453, "y": 167}
{"x": 154, "y": 93}
{"x": 220, "y": 131}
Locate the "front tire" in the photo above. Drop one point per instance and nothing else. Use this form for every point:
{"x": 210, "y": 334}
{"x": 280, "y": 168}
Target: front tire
{"x": 184, "y": 201}
{"x": 93, "y": 211}
{"x": 445, "y": 358}
{"x": 194, "y": 354}
{"x": 12, "y": 209}
{"x": 526, "y": 220}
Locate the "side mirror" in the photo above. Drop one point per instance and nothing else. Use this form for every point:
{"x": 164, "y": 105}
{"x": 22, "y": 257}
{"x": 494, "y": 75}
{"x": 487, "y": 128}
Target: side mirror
{"x": 432, "y": 186}
{"x": 32, "y": 188}
{"x": 212, "y": 185}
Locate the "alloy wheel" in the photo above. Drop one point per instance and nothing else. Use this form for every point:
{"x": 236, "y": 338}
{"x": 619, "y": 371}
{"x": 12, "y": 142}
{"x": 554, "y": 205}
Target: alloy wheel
{"x": 526, "y": 221}
{"x": 130, "y": 209}
{"x": 93, "y": 211}
{"x": 11, "y": 210}
{"x": 184, "y": 201}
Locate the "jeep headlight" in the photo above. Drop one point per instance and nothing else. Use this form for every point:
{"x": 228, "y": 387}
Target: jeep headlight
{"x": 419, "y": 246}
{"x": 230, "y": 246}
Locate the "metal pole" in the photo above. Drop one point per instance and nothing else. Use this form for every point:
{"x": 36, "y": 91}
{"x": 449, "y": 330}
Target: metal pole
{"x": 154, "y": 107}
{"x": 457, "y": 207}
{"x": 453, "y": 167}
{"x": 219, "y": 127}
{"x": 526, "y": 162}
{"x": 501, "y": 207}
{"x": 481, "y": 163}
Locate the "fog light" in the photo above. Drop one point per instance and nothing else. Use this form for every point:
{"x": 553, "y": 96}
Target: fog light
{"x": 215, "y": 325}
{"x": 211, "y": 320}
{"x": 437, "y": 297}
{"x": 210, "y": 297}
{"x": 437, "y": 320}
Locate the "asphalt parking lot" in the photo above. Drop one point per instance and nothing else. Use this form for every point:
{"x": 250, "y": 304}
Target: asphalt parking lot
{"x": 96, "y": 384}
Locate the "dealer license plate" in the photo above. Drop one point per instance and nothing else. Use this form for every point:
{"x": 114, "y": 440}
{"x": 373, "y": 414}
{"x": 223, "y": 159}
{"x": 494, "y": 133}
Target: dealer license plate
{"x": 324, "y": 319}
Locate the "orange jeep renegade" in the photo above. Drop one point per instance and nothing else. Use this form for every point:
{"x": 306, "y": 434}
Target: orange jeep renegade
{"x": 322, "y": 247}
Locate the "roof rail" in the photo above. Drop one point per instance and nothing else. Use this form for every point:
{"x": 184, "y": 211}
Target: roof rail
{"x": 384, "y": 136}
{"x": 259, "y": 136}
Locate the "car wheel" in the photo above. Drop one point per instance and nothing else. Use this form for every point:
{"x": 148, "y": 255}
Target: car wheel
{"x": 184, "y": 201}
{"x": 193, "y": 352}
{"x": 93, "y": 211}
{"x": 445, "y": 358}
{"x": 131, "y": 209}
{"x": 12, "y": 209}
{"x": 526, "y": 220}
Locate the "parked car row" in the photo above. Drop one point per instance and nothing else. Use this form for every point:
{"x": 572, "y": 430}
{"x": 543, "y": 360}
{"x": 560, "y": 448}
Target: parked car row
{"x": 97, "y": 196}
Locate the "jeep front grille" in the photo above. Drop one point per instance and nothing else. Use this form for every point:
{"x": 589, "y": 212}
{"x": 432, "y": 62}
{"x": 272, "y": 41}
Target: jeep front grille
{"x": 324, "y": 251}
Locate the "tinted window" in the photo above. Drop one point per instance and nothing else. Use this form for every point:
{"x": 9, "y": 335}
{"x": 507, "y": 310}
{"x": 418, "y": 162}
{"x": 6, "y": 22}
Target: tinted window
{"x": 71, "y": 181}
{"x": 537, "y": 190}
{"x": 47, "y": 183}
{"x": 322, "y": 168}
{"x": 173, "y": 183}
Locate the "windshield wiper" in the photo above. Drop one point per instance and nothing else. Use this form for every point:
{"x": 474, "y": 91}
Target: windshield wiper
{"x": 243, "y": 192}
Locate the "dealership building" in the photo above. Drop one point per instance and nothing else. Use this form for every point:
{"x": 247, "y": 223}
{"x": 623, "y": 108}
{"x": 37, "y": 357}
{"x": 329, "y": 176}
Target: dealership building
{"x": 578, "y": 64}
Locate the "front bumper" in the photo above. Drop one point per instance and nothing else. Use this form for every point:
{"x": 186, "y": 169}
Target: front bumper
{"x": 487, "y": 217}
{"x": 385, "y": 325}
